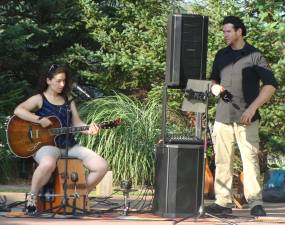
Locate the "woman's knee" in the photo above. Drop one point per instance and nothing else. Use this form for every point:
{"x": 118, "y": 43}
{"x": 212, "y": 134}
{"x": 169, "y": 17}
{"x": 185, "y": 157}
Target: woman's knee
{"x": 48, "y": 164}
{"x": 105, "y": 166}
{"x": 98, "y": 165}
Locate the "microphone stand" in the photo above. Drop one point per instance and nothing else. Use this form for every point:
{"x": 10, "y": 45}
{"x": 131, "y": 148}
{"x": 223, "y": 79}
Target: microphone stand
{"x": 64, "y": 203}
{"x": 74, "y": 179}
{"x": 65, "y": 198}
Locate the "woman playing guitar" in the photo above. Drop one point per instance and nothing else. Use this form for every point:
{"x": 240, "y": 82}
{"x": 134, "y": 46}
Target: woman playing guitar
{"x": 53, "y": 100}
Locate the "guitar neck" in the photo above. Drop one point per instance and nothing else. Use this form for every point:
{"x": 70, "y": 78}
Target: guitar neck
{"x": 65, "y": 130}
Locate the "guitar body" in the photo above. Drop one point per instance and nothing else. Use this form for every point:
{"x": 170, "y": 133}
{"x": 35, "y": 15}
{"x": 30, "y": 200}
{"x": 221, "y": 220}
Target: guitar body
{"x": 25, "y": 138}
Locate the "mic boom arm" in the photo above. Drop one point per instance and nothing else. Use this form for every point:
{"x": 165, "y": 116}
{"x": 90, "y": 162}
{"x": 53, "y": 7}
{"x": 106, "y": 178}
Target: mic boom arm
{"x": 75, "y": 85}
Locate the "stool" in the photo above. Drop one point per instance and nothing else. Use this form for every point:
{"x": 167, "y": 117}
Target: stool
{"x": 76, "y": 191}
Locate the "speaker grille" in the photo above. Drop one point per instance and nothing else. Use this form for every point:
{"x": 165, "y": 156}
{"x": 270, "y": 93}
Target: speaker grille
{"x": 186, "y": 49}
{"x": 178, "y": 180}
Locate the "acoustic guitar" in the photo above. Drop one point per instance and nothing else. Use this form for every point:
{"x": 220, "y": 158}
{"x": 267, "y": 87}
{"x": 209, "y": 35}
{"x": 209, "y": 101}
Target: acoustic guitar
{"x": 25, "y": 138}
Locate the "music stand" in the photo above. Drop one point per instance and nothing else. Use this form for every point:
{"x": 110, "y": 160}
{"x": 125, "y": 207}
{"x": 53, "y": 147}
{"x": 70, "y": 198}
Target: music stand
{"x": 196, "y": 99}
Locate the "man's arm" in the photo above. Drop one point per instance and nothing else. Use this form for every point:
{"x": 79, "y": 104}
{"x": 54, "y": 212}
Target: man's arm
{"x": 264, "y": 96}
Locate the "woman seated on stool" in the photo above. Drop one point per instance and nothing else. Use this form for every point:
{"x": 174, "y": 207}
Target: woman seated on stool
{"x": 54, "y": 100}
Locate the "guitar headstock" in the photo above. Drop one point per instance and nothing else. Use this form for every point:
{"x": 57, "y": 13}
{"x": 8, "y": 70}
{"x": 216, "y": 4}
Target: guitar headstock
{"x": 110, "y": 124}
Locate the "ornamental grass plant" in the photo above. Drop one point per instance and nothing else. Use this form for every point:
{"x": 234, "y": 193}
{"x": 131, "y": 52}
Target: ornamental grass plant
{"x": 130, "y": 147}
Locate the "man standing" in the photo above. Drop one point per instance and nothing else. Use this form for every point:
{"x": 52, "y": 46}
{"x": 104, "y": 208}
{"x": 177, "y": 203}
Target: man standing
{"x": 236, "y": 75}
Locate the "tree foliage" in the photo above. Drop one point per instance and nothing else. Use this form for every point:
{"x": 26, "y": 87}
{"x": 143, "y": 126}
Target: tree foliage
{"x": 131, "y": 37}
{"x": 110, "y": 44}
{"x": 12, "y": 92}
{"x": 35, "y": 33}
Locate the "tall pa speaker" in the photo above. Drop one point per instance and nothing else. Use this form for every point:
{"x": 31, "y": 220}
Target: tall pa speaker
{"x": 178, "y": 180}
{"x": 186, "y": 49}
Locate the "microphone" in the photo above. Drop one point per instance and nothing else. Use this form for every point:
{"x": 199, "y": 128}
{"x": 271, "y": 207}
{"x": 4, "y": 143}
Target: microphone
{"x": 75, "y": 85}
{"x": 228, "y": 98}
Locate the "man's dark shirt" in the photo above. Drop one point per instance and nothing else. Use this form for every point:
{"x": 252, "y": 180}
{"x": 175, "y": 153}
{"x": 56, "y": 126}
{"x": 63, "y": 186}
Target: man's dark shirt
{"x": 250, "y": 65}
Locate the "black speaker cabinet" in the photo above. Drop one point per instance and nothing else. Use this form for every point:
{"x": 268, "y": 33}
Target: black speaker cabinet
{"x": 186, "y": 49}
{"x": 178, "y": 180}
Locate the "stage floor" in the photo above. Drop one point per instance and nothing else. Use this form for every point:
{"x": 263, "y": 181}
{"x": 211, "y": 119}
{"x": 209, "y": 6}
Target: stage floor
{"x": 101, "y": 215}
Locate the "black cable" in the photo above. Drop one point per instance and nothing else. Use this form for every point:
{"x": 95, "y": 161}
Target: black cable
{"x": 103, "y": 200}
{"x": 143, "y": 199}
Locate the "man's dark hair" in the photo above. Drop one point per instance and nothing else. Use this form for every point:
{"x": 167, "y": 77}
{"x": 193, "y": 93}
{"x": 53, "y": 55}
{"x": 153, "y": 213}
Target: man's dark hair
{"x": 237, "y": 22}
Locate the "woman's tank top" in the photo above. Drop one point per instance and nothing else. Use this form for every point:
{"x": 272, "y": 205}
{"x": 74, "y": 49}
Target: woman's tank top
{"x": 60, "y": 111}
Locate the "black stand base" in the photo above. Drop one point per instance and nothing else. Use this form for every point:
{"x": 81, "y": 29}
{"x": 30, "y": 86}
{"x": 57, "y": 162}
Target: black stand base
{"x": 7, "y": 208}
{"x": 63, "y": 208}
{"x": 202, "y": 213}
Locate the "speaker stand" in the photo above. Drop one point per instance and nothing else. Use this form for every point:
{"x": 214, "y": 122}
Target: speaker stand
{"x": 164, "y": 112}
{"x": 201, "y": 211}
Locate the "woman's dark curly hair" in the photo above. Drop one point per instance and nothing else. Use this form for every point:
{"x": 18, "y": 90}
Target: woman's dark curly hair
{"x": 53, "y": 70}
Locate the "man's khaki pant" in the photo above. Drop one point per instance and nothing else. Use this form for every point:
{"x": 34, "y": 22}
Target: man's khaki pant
{"x": 247, "y": 138}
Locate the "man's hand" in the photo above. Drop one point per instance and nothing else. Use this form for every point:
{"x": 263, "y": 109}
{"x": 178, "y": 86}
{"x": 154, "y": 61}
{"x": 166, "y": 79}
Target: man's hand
{"x": 264, "y": 96}
{"x": 247, "y": 115}
{"x": 93, "y": 129}
{"x": 217, "y": 89}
